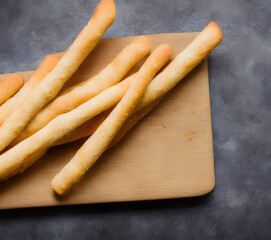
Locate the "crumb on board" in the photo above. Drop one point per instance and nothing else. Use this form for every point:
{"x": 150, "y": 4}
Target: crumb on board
{"x": 164, "y": 125}
{"x": 193, "y": 112}
{"x": 188, "y": 137}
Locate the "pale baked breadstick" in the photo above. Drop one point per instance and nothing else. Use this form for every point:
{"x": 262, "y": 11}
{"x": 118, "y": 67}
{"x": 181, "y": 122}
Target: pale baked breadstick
{"x": 132, "y": 121}
{"x": 10, "y": 105}
{"x": 93, "y": 148}
{"x": 90, "y": 126}
{"x": 129, "y": 124}
{"x": 16, "y": 159}
{"x": 85, "y": 130}
{"x": 10, "y": 86}
{"x": 103, "y": 17}
{"x": 82, "y": 92}
{"x": 181, "y": 65}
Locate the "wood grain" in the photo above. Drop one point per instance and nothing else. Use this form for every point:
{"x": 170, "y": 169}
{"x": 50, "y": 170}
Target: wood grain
{"x": 169, "y": 154}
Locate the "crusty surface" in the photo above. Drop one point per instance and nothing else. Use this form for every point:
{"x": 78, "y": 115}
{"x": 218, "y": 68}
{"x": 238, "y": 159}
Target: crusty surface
{"x": 11, "y": 104}
{"x": 90, "y": 126}
{"x": 210, "y": 33}
{"x": 93, "y": 124}
{"x": 54, "y": 81}
{"x": 181, "y": 65}
{"x": 10, "y": 86}
{"x": 132, "y": 121}
{"x": 47, "y": 65}
{"x": 17, "y": 158}
{"x": 100, "y": 140}
{"x": 85, "y": 130}
{"x": 84, "y": 91}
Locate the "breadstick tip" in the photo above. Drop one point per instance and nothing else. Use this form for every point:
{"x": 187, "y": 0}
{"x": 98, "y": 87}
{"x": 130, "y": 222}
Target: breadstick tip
{"x": 51, "y": 58}
{"x": 212, "y": 26}
{"x": 167, "y": 49}
{"x": 48, "y": 63}
{"x": 144, "y": 41}
{"x": 57, "y": 187}
{"x": 14, "y": 82}
{"x": 18, "y": 78}
{"x": 163, "y": 51}
{"x": 106, "y": 8}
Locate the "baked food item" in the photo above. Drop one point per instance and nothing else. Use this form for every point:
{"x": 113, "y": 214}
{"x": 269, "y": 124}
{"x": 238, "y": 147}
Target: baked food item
{"x": 103, "y": 17}
{"x": 76, "y": 95}
{"x": 16, "y": 159}
{"x": 93, "y": 148}
{"x": 10, "y": 86}
{"x": 90, "y": 126}
{"x": 132, "y": 121}
{"x": 180, "y": 66}
{"x": 10, "y": 105}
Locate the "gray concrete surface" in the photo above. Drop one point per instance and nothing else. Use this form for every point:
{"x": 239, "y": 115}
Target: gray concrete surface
{"x": 240, "y": 205}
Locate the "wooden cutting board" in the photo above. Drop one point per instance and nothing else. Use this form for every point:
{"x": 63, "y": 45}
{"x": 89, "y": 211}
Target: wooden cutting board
{"x": 168, "y": 154}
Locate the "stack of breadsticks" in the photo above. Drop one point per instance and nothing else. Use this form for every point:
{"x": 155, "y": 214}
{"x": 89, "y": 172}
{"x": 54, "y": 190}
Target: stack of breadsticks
{"x": 42, "y": 114}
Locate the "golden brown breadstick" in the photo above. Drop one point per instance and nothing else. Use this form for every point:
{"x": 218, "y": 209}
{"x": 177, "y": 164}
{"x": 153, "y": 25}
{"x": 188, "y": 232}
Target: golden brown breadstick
{"x": 103, "y": 17}
{"x": 90, "y": 126}
{"x": 10, "y": 105}
{"x": 132, "y": 121}
{"x": 16, "y": 159}
{"x": 93, "y": 148}
{"x": 182, "y": 64}
{"x": 82, "y": 92}
{"x": 10, "y": 86}
{"x": 85, "y": 130}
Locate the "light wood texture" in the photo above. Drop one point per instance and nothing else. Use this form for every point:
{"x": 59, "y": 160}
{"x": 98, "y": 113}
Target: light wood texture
{"x": 169, "y": 154}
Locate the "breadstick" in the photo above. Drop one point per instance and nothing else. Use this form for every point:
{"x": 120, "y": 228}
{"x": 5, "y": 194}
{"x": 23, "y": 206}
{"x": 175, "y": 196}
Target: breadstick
{"x": 181, "y": 65}
{"x": 211, "y": 35}
{"x": 90, "y": 126}
{"x": 10, "y": 105}
{"x": 16, "y": 159}
{"x": 93, "y": 148}
{"x": 103, "y": 17}
{"x": 85, "y": 130}
{"x": 82, "y": 92}
{"x": 129, "y": 124}
{"x": 132, "y": 121}
{"x": 10, "y": 86}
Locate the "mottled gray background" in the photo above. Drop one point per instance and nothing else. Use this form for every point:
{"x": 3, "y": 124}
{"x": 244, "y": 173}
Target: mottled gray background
{"x": 240, "y": 205}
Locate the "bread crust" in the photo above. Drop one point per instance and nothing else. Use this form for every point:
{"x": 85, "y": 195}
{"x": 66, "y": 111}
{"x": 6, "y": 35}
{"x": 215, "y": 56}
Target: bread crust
{"x": 212, "y": 34}
{"x": 11, "y": 104}
{"x": 53, "y": 82}
{"x": 10, "y": 86}
{"x": 181, "y": 65}
{"x": 93, "y": 148}
{"x": 16, "y": 159}
{"x": 82, "y": 92}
